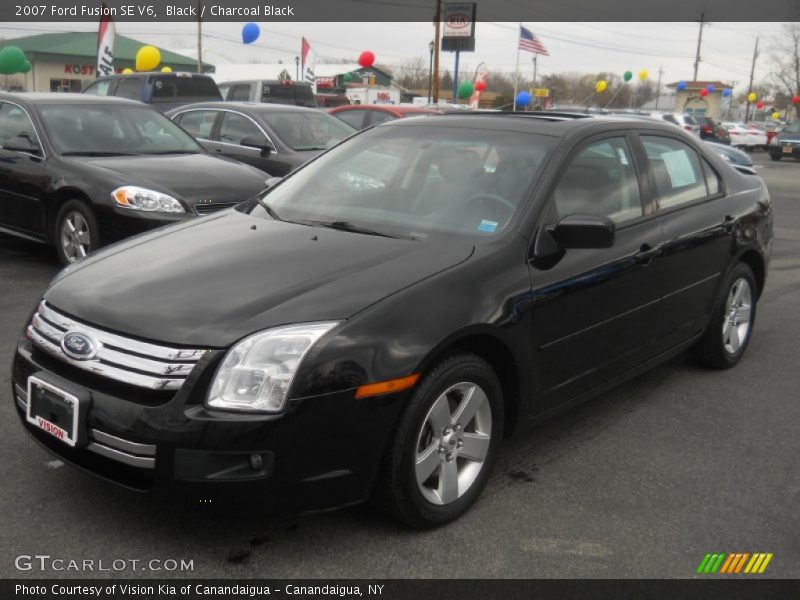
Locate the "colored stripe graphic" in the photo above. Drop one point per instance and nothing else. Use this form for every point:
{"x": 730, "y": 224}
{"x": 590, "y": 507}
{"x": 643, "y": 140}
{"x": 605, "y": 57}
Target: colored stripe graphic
{"x": 734, "y": 563}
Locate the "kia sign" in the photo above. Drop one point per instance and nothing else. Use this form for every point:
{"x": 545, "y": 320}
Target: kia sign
{"x": 459, "y": 27}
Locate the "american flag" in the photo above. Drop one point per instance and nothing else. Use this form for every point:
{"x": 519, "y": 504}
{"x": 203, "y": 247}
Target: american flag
{"x": 531, "y": 43}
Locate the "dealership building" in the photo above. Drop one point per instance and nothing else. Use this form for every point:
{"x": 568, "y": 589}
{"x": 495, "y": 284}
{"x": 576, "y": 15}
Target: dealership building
{"x": 66, "y": 62}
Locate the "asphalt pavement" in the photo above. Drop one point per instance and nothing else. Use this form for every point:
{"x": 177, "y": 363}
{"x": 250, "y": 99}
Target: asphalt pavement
{"x": 640, "y": 482}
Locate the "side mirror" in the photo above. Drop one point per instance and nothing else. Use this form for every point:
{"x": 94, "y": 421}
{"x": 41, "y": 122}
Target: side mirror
{"x": 258, "y": 143}
{"x": 584, "y": 231}
{"x": 22, "y": 144}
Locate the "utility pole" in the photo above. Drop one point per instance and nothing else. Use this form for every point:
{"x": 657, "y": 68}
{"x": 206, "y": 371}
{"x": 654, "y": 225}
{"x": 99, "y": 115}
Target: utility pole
{"x": 750, "y": 85}
{"x": 658, "y": 85}
{"x": 699, "y": 42}
{"x": 436, "y": 18}
{"x": 199, "y": 37}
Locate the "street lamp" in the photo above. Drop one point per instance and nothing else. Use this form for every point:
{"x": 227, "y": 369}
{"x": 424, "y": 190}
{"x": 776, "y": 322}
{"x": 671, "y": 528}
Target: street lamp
{"x": 431, "y": 47}
{"x": 297, "y": 68}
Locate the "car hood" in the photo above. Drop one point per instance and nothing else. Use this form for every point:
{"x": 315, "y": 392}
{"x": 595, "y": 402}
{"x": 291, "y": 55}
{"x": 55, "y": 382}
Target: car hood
{"x": 191, "y": 177}
{"x": 211, "y": 281}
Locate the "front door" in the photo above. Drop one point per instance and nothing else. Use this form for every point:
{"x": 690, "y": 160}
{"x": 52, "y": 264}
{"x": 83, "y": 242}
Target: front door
{"x": 595, "y": 310}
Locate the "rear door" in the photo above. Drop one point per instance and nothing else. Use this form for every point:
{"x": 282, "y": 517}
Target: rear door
{"x": 232, "y": 129}
{"x": 23, "y": 179}
{"x": 697, "y": 230}
{"x": 595, "y": 311}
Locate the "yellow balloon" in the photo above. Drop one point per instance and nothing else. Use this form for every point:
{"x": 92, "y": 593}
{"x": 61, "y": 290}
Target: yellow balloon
{"x": 643, "y": 74}
{"x": 166, "y": 69}
{"x": 601, "y": 86}
{"x": 127, "y": 71}
{"x": 776, "y": 115}
{"x": 752, "y": 97}
{"x": 147, "y": 58}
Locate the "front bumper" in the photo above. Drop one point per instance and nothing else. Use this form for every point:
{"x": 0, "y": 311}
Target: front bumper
{"x": 120, "y": 223}
{"x": 323, "y": 452}
{"x": 778, "y": 150}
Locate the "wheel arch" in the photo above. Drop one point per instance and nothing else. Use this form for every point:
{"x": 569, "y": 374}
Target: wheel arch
{"x": 500, "y": 357}
{"x": 56, "y": 200}
{"x": 753, "y": 259}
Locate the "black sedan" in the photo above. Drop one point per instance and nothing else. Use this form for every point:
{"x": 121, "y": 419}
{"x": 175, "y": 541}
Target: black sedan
{"x": 786, "y": 143}
{"x": 80, "y": 171}
{"x": 276, "y": 138}
{"x": 379, "y": 320}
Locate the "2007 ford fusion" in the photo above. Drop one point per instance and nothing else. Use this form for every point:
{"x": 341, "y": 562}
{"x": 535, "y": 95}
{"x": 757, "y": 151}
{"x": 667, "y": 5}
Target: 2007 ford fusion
{"x": 376, "y": 323}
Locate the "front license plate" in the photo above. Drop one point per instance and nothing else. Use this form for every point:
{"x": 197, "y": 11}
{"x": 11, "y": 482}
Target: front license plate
{"x": 787, "y": 149}
{"x": 53, "y": 410}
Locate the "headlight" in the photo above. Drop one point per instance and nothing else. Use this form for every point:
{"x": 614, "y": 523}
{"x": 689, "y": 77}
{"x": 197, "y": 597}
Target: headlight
{"x": 138, "y": 198}
{"x": 257, "y": 372}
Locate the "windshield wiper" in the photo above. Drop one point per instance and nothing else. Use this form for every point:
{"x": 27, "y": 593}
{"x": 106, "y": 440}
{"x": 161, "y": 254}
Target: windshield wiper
{"x": 301, "y": 148}
{"x": 348, "y": 226}
{"x": 172, "y": 152}
{"x": 95, "y": 153}
{"x": 270, "y": 211}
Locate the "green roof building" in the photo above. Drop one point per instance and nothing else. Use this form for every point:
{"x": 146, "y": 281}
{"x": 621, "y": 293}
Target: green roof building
{"x": 66, "y": 62}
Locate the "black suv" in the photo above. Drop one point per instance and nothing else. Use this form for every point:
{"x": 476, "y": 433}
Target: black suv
{"x": 163, "y": 90}
{"x": 378, "y": 321}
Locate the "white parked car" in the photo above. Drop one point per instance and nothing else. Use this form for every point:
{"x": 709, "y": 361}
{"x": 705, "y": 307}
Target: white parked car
{"x": 685, "y": 122}
{"x": 743, "y": 136}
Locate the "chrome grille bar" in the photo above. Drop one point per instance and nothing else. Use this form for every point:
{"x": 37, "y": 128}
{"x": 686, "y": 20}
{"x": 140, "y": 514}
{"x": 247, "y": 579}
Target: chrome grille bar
{"x": 134, "y": 362}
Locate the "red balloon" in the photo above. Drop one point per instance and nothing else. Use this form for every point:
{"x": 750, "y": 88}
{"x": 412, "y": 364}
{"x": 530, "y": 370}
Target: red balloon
{"x": 759, "y": 105}
{"x": 367, "y": 59}
{"x": 704, "y": 92}
{"x": 795, "y": 99}
{"x": 480, "y": 86}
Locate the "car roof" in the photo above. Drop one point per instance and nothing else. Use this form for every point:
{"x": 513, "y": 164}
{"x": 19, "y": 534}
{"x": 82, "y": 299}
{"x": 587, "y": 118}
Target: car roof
{"x": 270, "y": 81}
{"x": 35, "y": 98}
{"x": 390, "y": 107}
{"x": 259, "y": 107}
{"x": 558, "y": 124}
{"x": 177, "y": 74}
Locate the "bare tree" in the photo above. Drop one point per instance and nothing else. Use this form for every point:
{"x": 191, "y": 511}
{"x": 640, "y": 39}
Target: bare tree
{"x": 786, "y": 62}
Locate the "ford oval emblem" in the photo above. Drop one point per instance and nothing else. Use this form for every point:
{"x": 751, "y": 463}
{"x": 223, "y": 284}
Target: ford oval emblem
{"x": 78, "y": 345}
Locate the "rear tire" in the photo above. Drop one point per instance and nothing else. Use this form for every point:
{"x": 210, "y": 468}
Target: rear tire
{"x": 444, "y": 446}
{"x": 76, "y": 233}
{"x": 728, "y": 333}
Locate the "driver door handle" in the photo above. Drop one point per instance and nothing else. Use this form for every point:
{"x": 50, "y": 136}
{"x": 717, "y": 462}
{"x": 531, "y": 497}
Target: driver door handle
{"x": 646, "y": 254}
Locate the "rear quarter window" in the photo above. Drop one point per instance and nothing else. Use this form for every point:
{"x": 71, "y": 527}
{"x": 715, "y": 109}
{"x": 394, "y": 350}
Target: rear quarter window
{"x": 169, "y": 89}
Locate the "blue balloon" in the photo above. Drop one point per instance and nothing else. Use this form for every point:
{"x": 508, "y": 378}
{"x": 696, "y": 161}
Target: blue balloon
{"x": 726, "y": 92}
{"x": 710, "y": 88}
{"x": 681, "y": 86}
{"x": 250, "y": 33}
{"x": 523, "y": 99}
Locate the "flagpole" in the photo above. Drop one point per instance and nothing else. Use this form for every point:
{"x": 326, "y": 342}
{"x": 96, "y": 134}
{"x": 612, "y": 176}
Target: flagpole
{"x": 516, "y": 69}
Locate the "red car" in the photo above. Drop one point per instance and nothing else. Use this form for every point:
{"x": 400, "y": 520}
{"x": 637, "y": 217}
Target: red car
{"x": 362, "y": 116}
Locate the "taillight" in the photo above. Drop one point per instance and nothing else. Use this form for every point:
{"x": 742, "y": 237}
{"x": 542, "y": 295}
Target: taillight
{"x": 707, "y": 129}
{"x": 687, "y": 127}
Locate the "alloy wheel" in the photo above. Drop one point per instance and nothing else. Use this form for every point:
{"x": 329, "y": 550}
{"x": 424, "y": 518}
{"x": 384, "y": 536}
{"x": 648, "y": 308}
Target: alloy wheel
{"x": 75, "y": 237}
{"x": 738, "y": 311}
{"x": 453, "y": 443}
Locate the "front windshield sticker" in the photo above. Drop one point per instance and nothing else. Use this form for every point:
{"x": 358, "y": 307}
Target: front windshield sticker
{"x": 679, "y": 168}
{"x": 487, "y": 226}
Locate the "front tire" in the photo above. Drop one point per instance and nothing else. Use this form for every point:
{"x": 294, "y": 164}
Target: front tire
{"x": 442, "y": 451}
{"x": 76, "y": 232}
{"x": 726, "y": 338}
{"x": 775, "y": 156}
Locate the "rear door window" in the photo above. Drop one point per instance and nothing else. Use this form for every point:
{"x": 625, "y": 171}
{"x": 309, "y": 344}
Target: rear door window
{"x": 99, "y": 88}
{"x": 240, "y": 93}
{"x": 677, "y": 171}
{"x": 236, "y": 127}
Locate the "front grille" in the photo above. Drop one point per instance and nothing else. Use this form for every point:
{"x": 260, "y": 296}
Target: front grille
{"x": 119, "y": 358}
{"x": 207, "y": 209}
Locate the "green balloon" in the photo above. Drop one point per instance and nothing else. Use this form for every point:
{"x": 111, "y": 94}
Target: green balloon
{"x": 12, "y": 60}
{"x": 27, "y": 67}
{"x": 465, "y": 90}
{"x": 627, "y": 75}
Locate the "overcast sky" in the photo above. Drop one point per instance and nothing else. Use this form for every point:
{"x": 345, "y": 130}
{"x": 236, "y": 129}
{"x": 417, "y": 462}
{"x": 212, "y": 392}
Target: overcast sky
{"x": 585, "y": 47}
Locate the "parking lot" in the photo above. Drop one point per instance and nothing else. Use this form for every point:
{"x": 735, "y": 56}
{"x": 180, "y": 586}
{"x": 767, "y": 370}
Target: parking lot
{"x": 641, "y": 482}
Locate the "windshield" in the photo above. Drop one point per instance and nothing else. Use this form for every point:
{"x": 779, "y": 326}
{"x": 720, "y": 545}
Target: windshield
{"x": 792, "y": 127}
{"x": 114, "y": 129}
{"x": 307, "y": 130}
{"x": 416, "y": 180}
